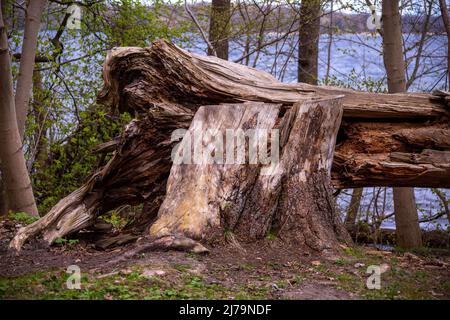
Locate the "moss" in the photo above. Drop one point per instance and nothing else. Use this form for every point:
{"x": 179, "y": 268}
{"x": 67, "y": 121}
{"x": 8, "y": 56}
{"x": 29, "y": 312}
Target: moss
{"x": 246, "y": 266}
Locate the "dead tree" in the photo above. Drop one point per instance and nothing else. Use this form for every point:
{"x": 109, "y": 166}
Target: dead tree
{"x": 394, "y": 140}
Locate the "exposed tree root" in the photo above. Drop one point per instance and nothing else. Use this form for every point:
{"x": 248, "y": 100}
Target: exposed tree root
{"x": 164, "y": 243}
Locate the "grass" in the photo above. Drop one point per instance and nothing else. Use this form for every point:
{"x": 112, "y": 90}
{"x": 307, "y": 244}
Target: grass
{"x": 64, "y": 241}
{"x": 402, "y": 281}
{"x": 271, "y": 236}
{"x": 342, "y": 262}
{"x": 182, "y": 285}
{"x": 396, "y": 283}
{"x": 22, "y": 217}
{"x": 355, "y": 252}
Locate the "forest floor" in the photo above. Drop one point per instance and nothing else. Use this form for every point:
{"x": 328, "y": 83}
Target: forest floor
{"x": 266, "y": 270}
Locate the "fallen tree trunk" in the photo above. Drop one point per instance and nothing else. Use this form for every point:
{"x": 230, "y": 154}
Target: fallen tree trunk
{"x": 378, "y": 143}
{"x": 401, "y": 154}
{"x": 136, "y": 77}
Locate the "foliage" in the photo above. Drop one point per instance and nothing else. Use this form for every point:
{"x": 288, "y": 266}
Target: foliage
{"x": 22, "y": 217}
{"x": 119, "y": 218}
{"x": 65, "y": 123}
{"x": 357, "y": 82}
{"x": 133, "y": 23}
{"x": 72, "y": 160}
{"x": 64, "y": 241}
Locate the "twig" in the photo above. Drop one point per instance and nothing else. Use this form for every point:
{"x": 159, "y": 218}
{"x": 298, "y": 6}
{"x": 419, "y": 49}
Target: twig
{"x": 205, "y": 38}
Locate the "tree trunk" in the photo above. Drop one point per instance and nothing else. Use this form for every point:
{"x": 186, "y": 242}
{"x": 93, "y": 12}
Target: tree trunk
{"x": 165, "y": 86}
{"x": 39, "y": 154}
{"x": 308, "y": 45}
{"x": 446, "y": 20}
{"x": 15, "y": 174}
{"x": 406, "y": 216}
{"x": 388, "y": 154}
{"x": 219, "y": 25}
{"x": 29, "y": 46}
{"x": 3, "y": 197}
{"x": 353, "y": 208}
{"x": 406, "y": 219}
{"x": 393, "y": 46}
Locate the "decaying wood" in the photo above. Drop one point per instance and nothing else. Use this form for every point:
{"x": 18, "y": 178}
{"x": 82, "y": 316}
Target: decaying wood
{"x": 164, "y": 86}
{"x": 368, "y": 155}
{"x": 136, "y": 173}
{"x": 74, "y": 212}
{"x": 401, "y": 169}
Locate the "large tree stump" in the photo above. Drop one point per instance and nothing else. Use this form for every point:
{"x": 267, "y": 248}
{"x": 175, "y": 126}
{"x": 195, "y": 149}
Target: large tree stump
{"x": 287, "y": 193}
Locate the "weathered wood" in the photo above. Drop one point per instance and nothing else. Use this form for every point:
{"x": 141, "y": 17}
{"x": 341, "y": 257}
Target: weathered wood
{"x": 369, "y": 155}
{"x": 70, "y": 214}
{"x": 135, "y": 77}
{"x": 202, "y": 194}
{"x": 432, "y": 157}
{"x": 425, "y": 137}
{"x": 290, "y": 197}
{"x": 441, "y": 97}
{"x": 360, "y": 170}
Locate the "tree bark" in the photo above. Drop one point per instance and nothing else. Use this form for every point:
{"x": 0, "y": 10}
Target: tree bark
{"x": 29, "y": 46}
{"x": 406, "y": 216}
{"x": 219, "y": 25}
{"x": 446, "y": 20}
{"x": 164, "y": 86}
{"x": 308, "y": 45}
{"x": 406, "y": 219}
{"x": 39, "y": 154}
{"x": 353, "y": 208}
{"x": 393, "y": 46}
{"x": 3, "y": 197}
{"x": 15, "y": 174}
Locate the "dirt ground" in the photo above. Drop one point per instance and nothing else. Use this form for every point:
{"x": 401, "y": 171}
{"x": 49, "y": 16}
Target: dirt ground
{"x": 264, "y": 270}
